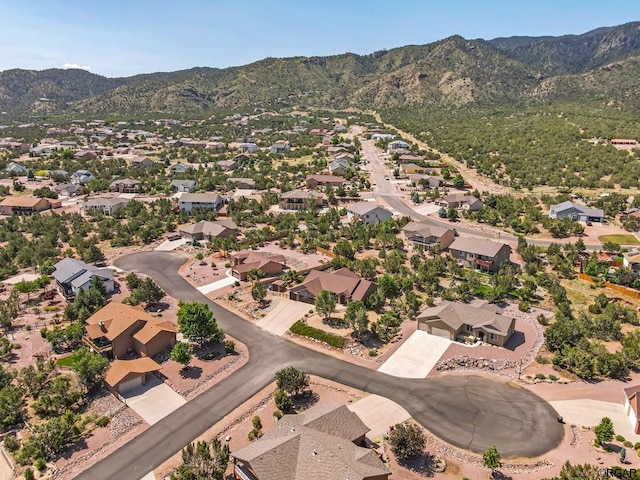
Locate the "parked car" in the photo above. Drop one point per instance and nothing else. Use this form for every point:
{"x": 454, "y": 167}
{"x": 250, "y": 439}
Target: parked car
{"x": 589, "y": 223}
{"x": 175, "y": 236}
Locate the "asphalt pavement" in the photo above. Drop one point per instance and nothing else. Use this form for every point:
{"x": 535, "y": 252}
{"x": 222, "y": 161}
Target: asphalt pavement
{"x": 468, "y": 411}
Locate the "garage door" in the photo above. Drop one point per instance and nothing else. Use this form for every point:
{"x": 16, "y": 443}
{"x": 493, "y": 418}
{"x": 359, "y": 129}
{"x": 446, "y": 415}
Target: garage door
{"x": 440, "y": 332}
{"x": 128, "y": 385}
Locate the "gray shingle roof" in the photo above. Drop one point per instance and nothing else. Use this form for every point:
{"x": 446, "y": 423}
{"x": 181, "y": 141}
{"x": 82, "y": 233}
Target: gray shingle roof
{"x": 478, "y": 246}
{"x": 456, "y": 314}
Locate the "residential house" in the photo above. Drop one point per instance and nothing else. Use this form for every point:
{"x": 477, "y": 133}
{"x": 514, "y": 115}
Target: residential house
{"x": 247, "y": 147}
{"x": 26, "y": 205}
{"x": 16, "y": 169}
{"x": 336, "y": 149}
{"x": 631, "y": 260}
{"x": 397, "y": 145}
{"x": 122, "y": 376}
{"x": 302, "y": 199}
{"x": 141, "y": 162}
{"x": 211, "y": 201}
{"x": 425, "y": 181}
{"x": 247, "y": 261}
{"x": 314, "y": 181}
{"x": 464, "y": 202}
{"x": 339, "y": 166}
{"x": 632, "y": 406}
{"x": 463, "y": 321}
{"x": 81, "y": 177}
{"x": 180, "y": 168}
{"x": 241, "y": 159}
{"x": 280, "y": 147}
{"x": 409, "y": 169}
{"x": 382, "y": 136}
{"x": 121, "y": 329}
{"x": 126, "y": 185}
{"x": 86, "y": 155}
{"x": 428, "y": 236}
{"x": 205, "y": 230}
{"x": 183, "y": 185}
{"x": 325, "y": 442}
{"x": 73, "y": 275}
{"x": 480, "y": 254}
{"x": 68, "y": 190}
{"x": 108, "y": 206}
{"x": 227, "y": 165}
{"x": 343, "y": 283}
{"x": 410, "y": 158}
{"x": 175, "y": 143}
{"x": 243, "y": 183}
{"x": 368, "y": 212}
{"x": 215, "y": 146}
{"x": 576, "y": 212}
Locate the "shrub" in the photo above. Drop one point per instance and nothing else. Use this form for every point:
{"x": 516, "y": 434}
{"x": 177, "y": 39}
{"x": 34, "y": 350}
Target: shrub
{"x": 373, "y": 352}
{"x": 407, "y": 440}
{"x": 301, "y": 328}
{"x": 229, "y": 347}
{"x": 277, "y": 415}
{"x": 542, "y": 360}
{"x": 627, "y": 444}
{"x": 28, "y": 474}
{"x": 282, "y": 400}
{"x": 620, "y": 438}
{"x": 51, "y": 308}
{"x": 102, "y": 422}
{"x": 11, "y": 443}
{"x": 636, "y": 445}
{"x": 524, "y": 306}
{"x": 40, "y": 464}
{"x": 553, "y": 378}
{"x": 540, "y": 376}
{"x": 542, "y": 320}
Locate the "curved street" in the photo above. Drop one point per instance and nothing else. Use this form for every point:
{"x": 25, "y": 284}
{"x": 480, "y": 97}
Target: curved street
{"x": 468, "y": 411}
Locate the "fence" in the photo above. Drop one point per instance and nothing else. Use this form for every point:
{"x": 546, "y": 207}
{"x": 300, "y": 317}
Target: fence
{"x": 630, "y": 292}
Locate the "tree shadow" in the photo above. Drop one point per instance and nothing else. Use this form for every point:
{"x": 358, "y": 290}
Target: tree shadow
{"x": 209, "y": 351}
{"x": 305, "y": 400}
{"x": 498, "y": 475}
{"x": 191, "y": 372}
{"x": 158, "y": 307}
{"x": 335, "y": 322}
{"x": 425, "y": 465}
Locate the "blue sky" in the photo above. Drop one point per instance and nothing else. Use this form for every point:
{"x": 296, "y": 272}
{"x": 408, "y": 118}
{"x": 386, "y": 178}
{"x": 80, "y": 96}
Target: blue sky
{"x": 119, "y": 38}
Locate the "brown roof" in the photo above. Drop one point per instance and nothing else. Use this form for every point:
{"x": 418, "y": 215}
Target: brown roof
{"x": 150, "y": 330}
{"x": 486, "y": 316}
{"x": 340, "y": 282}
{"x": 22, "y": 201}
{"x": 120, "y": 369}
{"x": 310, "y": 446}
{"x": 114, "y": 319}
{"x": 256, "y": 260}
{"x": 477, "y": 246}
{"x": 325, "y": 178}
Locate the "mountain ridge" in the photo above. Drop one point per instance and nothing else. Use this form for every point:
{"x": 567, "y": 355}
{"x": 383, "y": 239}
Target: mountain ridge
{"x": 453, "y": 71}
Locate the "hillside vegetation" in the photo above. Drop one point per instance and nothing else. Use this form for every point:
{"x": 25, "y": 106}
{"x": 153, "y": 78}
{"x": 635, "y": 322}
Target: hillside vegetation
{"x": 601, "y": 66}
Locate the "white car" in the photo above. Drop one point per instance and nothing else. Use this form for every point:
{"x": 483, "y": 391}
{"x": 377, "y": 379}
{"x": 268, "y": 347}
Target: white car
{"x": 386, "y": 177}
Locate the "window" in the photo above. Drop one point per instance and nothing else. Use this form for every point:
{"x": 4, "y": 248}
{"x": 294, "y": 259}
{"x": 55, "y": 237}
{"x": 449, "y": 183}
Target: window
{"x": 493, "y": 336}
{"x": 468, "y": 328}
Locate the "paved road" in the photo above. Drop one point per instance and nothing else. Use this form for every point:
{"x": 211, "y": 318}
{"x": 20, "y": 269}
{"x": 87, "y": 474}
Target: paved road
{"x": 387, "y": 190}
{"x": 468, "y": 411}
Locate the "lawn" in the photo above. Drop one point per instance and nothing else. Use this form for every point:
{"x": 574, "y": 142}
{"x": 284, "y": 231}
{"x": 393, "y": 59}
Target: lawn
{"x": 620, "y": 239}
{"x": 66, "y": 361}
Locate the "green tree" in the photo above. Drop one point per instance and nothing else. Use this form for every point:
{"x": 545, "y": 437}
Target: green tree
{"x": 452, "y": 213}
{"x": 389, "y": 286}
{"x": 325, "y": 303}
{"x": 196, "y": 323}
{"x": 344, "y": 249}
{"x": 407, "y": 440}
{"x": 282, "y": 400}
{"x": 491, "y": 458}
{"x": 148, "y": 292}
{"x": 291, "y": 380}
{"x": 89, "y": 366}
{"x": 458, "y": 181}
{"x": 202, "y": 461}
{"x": 356, "y": 316}
{"x": 182, "y": 354}
{"x": 259, "y": 291}
{"x": 604, "y": 431}
{"x": 11, "y": 407}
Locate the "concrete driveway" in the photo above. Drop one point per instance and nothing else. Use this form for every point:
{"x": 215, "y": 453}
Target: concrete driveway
{"x": 218, "y": 284}
{"x": 378, "y": 413}
{"x": 416, "y": 356}
{"x": 588, "y": 413}
{"x": 170, "y": 245}
{"x": 284, "y": 313}
{"x": 153, "y": 401}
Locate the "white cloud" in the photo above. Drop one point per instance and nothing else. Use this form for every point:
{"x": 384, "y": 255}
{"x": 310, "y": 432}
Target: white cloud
{"x": 75, "y": 65}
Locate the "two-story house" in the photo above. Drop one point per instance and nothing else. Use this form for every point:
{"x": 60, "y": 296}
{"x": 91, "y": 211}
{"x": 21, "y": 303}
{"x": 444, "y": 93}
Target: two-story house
{"x": 480, "y": 254}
